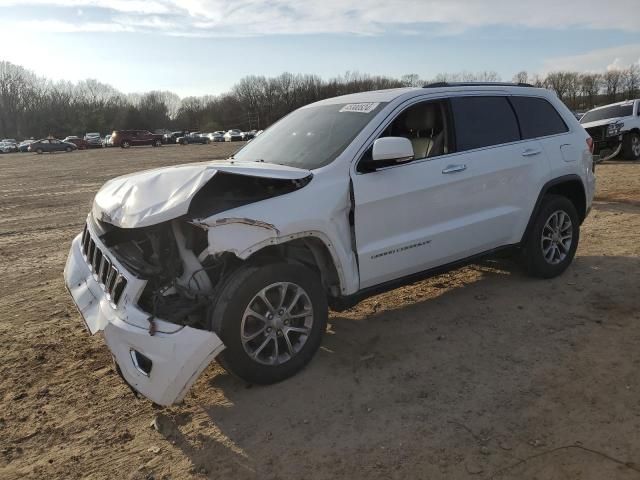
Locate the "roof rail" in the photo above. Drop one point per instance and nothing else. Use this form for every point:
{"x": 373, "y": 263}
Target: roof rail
{"x": 475, "y": 84}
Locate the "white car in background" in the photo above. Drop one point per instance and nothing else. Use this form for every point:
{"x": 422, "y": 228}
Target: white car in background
{"x": 615, "y": 129}
{"x": 339, "y": 200}
{"x": 217, "y": 136}
{"x": 234, "y": 135}
{"x": 94, "y": 140}
{"x": 8, "y": 147}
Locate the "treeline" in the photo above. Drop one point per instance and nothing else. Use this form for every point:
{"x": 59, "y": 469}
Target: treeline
{"x": 583, "y": 91}
{"x": 32, "y": 106}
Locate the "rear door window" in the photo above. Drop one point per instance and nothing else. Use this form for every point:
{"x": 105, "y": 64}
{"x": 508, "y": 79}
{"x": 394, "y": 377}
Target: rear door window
{"x": 483, "y": 122}
{"x": 538, "y": 118}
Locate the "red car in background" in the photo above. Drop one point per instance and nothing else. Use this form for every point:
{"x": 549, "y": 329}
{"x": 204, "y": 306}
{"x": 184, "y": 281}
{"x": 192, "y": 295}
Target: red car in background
{"x": 132, "y": 138}
{"x": 81, "y": 143}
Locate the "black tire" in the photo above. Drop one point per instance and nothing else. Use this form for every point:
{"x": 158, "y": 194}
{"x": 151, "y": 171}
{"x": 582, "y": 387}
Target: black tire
{"x": 236, "y": 296}
{"x": 125, "y": 144}
{"x": 631, "y": 146}
{"x": 39, "y": 151}
{"x": 535, "y": 261}
{"x": 68, "y": 149}
{"x": 157, "y": 143}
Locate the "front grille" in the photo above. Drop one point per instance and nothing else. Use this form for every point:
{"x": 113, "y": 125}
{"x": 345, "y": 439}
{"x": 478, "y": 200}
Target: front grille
{"x": 598, "y": 133}
{"x": 107, "y": 275}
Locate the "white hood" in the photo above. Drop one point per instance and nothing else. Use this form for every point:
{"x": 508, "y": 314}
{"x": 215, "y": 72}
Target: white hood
{"x": 155, "y": 196}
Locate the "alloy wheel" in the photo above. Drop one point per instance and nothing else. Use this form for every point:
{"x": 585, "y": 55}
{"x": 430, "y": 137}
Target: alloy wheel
{"x": 557, "y": 237}
{"x": 276, "y": 323}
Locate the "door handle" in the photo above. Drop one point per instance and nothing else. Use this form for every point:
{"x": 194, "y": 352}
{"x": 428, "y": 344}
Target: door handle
{"x": 454, "y": 168}
{"x": 530, "y": 152}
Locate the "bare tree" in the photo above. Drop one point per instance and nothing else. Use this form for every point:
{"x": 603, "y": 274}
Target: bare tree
{"x": 613, "y": 82}
{"x": 558, "y": 82}
{"x": 631, "y": 81}
{"x": 411, "y": 80}
{"x": 590, "y": 84}
{"x": 521, "y": 77}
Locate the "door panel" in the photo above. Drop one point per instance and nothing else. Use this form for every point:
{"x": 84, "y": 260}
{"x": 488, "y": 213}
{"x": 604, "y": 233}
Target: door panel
{"x": 432, "y": 212}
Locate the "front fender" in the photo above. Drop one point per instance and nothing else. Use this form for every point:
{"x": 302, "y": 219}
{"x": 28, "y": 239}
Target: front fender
{"x": 244, "y": 237}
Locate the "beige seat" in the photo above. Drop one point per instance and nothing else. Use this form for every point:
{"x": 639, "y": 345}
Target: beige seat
{"x": 422, "y": 122}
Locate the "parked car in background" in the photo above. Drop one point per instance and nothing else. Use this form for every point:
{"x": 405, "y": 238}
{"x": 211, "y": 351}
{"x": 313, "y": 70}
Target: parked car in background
{"x": 24, "y": 146}
{"x": 8, "y": 147}
{"x": 51, "y": 145}
{"x": 108, "y": 142}
{"x": 81, "y": 143}
{"x": 614, "y": 129}
{"x": 249, "y": 135}
{"x": 233, "y": 135}
{"x": 243, "y": 258}
{"x": 134, "y": 138}
{"x": 217, "y": 136}
{"x": 170, "y": 138}
{"x": 194, "y": 137}
{"x": 9, "y": 140}
{"x": 94, "y": 140}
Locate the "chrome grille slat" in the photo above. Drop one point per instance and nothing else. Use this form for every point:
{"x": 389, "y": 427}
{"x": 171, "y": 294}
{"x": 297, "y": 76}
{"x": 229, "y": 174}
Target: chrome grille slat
{"x": 112, "y": 281}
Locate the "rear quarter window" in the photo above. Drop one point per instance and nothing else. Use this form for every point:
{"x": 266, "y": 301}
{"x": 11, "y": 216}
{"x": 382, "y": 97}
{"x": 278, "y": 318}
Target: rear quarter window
{"x": 538, "y": 118}
{"x": 483, "y": 122}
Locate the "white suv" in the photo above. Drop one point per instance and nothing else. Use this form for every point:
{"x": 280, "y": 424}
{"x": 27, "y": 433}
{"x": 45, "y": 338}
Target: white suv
{"x": 615, "y": 128}
{"x": 241, "y": 259}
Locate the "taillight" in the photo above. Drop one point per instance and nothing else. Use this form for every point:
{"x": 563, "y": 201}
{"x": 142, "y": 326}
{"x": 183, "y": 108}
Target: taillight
{"x": 590, "y": 144}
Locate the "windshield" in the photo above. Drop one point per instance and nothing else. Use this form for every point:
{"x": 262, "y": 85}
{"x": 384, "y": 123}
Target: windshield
{"x": 614, "y": 111}
{"x": 310, "y": 137}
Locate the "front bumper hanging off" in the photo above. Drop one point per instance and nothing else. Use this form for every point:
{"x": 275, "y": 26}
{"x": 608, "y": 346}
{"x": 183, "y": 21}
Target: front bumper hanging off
{"x": 162, "y": 366}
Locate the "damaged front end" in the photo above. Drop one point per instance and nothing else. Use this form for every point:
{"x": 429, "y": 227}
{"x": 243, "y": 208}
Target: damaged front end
{"x": 607, "y": 139}
{"x": 144, "y": 273}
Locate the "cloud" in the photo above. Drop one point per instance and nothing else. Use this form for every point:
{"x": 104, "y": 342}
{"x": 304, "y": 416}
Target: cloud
{"x": 614, "y": 58}
{"x": 223, "y": 18}
{"x": 56, "y": 26}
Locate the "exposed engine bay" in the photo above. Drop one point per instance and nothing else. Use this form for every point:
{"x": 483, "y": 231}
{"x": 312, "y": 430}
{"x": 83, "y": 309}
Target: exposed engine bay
{"x": 182, "y": 276}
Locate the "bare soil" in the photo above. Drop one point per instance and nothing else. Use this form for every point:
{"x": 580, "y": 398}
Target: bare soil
{"x": 479, "y": 373}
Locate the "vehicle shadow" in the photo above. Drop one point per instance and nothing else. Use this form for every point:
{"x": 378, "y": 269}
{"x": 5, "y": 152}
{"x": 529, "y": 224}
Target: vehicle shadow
{"x": 420, "y": 381}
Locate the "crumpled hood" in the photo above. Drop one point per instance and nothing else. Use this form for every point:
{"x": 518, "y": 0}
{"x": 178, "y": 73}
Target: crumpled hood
{"x": 599, "y": 123}
{"x": 155, "y": 196}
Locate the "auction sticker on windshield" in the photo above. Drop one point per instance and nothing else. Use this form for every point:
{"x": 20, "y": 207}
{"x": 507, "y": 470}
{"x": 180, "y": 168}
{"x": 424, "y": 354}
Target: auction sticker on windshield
{"x": 367, "y": 107}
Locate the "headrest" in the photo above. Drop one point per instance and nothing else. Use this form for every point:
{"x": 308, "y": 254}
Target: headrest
{"x": 421, "y": 118}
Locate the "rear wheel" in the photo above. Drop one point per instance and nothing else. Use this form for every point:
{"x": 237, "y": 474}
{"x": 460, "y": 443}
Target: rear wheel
{"x": 271, "y": 319}
{"x": 39, "y": 151}
{"x": 631, "y": 146}
{"x": 68, "y": 149}
{"x": 553, "y": 240}
{"x": 125, "y": 144}
{"x": 157, "y": 143}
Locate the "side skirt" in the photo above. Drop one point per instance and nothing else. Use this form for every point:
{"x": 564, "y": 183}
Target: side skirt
{"x": 340, "y": 304}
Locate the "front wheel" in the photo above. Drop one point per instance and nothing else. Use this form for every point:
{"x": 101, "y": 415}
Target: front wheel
{"x": 631, "y": 146}
{"x": 553, "y": 240}
{"x": 68, "y": 149}
{"x": 157, "y": 143}
{"x": 271, "y": 319}
{"x": 125, "y": 144}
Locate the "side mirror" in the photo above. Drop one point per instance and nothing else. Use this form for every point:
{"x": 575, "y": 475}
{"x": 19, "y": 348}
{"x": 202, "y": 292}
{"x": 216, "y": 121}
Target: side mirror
{"x": 391, "y": 150}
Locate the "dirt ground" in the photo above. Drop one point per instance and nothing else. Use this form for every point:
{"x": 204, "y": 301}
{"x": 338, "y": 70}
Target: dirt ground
{"x": 480, "y": 373}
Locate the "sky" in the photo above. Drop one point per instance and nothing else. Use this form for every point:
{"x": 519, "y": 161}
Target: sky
{"x": 198, "y": 47}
